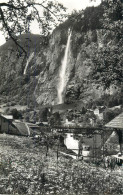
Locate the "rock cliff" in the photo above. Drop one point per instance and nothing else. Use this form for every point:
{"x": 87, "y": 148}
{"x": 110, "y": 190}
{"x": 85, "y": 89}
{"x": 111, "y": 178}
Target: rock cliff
{"x": 36, "y": 78}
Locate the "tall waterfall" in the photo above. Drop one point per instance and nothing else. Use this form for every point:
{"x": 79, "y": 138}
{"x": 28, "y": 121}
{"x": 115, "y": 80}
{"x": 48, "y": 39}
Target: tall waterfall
{"x": 62, "y": 82}
{"x": 28, "y": 61}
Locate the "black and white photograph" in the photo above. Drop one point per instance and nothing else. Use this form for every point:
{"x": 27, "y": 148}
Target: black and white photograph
{"x": 61, "y": 97}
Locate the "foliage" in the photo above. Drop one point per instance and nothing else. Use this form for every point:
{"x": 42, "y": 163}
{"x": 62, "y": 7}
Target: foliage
{"x": 82, "y": 21}
{"x": 106, "y": 100}
{"x": 112, "y": 17}
{"x": 114, "y": 100}
{"x": 32, "y": 172}
{"x": 54, "y": 119}
{"x": 110, "y": 114}
{"x": 84, "y": 110}
{"x": 16, "y": 16}
{"x": 108, "y": 61}
{"x": 43, "y": 114}
{"x": 16, "y": 114}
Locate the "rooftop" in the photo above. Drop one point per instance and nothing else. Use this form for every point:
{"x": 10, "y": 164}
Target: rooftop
{"x": 9, "y": 117}
{"x": 117, "y": 122}
{"x": 22, "y": 128}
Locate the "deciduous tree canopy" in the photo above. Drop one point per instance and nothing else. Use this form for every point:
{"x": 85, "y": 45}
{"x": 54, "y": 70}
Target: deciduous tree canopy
{"x": 17, "y": 15}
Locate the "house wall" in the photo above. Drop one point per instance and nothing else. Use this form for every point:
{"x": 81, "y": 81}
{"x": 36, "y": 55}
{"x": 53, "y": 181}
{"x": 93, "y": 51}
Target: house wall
{"x": 101, "y": 116}
{"x": 4, "y": 125}
{"x": 96, "y": 111}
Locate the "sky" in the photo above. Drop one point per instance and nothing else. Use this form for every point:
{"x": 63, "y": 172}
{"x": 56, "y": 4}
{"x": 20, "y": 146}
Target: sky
{"x": 69, "y": 4}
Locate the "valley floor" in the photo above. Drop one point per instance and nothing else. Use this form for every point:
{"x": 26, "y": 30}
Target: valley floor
{"x": 26, "y": 169}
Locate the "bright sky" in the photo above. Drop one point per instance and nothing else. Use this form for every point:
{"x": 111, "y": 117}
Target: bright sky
{"x": 78, "y": 4}
{"x": 69, "y": 4}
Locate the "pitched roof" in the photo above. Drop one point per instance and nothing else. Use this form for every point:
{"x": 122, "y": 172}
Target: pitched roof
{"x": 113, "y": 138}
{"x": 22, "y": 128}
{"x": 117, "y": 122}
{"x": 25, "y": 129}
{"x": 9, "y": 117}
{"x": 32, "y": 125}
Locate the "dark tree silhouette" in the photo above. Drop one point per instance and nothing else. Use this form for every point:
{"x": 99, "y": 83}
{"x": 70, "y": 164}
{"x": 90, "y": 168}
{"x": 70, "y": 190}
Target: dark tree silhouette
{"x": 16, "y": 114}
{"x": 17, "y": 15}
{"x": 120, "y": 136}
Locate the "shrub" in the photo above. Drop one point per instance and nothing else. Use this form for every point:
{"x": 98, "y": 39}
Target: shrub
{"x": 16, "y": 114}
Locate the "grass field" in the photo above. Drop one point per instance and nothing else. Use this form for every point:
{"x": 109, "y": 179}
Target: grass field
{"x": 26, "y": 167}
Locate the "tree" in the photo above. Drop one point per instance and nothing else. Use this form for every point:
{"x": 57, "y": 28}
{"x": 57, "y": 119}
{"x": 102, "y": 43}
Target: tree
{"x": 17, "y": 15}
{"x": 110, "y": 114}
{"x": 120, "y": 136}
{"x": 84, "y": 110}
{"x": 108, "y": 60}
{"x": 16, "y": 114}
{"x": 43, "y": 113}
{"x": 54, "y": 119}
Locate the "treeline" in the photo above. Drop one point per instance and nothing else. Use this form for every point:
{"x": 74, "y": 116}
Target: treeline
{"x": 92, "y": 17}
{"x": 107, "y": 101}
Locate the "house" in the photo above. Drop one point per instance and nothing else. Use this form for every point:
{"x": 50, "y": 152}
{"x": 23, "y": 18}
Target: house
{"x": 24, "y": 129}
{"x": 33, "y": 128}
{"x": 112, "y": 143}
{"x": 19, "y": 128}
{"x": 117, "y": 125}
{"x": 45, "y": 124}
{"x": 99, "y": 112}
{"x": 84, "y": 146}
{"x": 116, "y": 139}
{"x": 5, "y": 122}
{"x": 69, "y": 123}
{"x": 16, "y": 127}
{"x": 91, "y": 146}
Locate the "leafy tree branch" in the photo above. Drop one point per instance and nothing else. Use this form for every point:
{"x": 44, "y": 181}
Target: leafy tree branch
{"x": 17, "y": 15}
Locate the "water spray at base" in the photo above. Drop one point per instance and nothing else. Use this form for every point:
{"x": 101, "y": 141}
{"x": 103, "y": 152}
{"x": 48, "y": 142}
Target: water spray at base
{"x": 62, "y": 83}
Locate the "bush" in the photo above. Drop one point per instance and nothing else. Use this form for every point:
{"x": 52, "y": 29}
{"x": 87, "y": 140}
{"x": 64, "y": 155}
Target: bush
{"x": 16, "y": 114}
{"x": 110, "y": 114}
{"x": 43, "y": 113}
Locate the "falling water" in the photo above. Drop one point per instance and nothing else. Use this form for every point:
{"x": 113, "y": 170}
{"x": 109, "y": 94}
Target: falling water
{"x": 62, "y": 83}
{"x": 28, "y": 61}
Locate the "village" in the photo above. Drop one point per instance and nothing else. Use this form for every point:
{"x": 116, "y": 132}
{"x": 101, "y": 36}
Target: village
{"x": 56, "y": 150}
{"x": 108, "y": 137}
{"x": 61, "y": 105}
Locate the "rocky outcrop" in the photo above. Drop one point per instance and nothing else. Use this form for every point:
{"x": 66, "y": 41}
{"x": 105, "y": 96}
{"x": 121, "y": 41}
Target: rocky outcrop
{"x": 39, "y": 83}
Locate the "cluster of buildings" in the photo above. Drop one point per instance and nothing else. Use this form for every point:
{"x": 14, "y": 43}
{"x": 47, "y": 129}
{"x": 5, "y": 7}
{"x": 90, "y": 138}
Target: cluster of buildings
{"x": 113, "y": 142}
{"x": 90, "y": 117}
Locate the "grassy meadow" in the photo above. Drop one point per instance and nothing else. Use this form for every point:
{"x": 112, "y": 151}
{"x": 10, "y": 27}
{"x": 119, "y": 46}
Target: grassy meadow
{"x": 30, "y": 167}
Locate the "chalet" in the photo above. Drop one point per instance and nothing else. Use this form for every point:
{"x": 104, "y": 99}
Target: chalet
{"x": 19, "y": 128}
{"x": 24, "y": 129}
{"x": 117, "y": 135}
{"x": 5, "y": 122}
{"x": 16, "y": 127}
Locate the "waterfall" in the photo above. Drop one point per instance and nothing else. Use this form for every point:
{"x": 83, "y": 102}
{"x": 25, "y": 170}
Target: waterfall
{"x": 28, "y": 61}
{"x": 62, "y": 83}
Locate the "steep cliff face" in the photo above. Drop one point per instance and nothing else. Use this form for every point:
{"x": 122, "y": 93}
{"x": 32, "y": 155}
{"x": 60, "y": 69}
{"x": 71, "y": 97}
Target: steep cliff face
{"x": 80, "y": 82}
{"x": 36, "y": 78}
